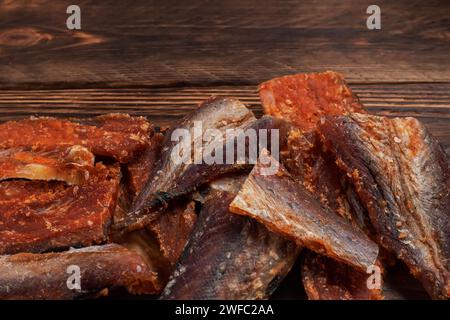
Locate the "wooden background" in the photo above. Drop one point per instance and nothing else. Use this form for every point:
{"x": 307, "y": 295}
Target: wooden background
{"x": 161, "y": 58}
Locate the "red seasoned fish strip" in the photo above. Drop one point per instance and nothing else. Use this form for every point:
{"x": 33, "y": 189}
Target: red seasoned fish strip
{"x": 46, "y": 276}
{"x": 49, "y": 133}
{"x": 285, "y": 207}
{"x": 304, "y": 98}
{"x": 57, "y": 216}
{"x": 124, "y": 123}
{"x": 69, "y": 164}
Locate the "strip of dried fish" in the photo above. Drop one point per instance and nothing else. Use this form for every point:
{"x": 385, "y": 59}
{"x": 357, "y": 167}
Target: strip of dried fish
{"x": 285, "y": 207}
{"x": 401, "y": 175}
{"x": 48, "y": 276}
{"x": 47, "y": 134}
{"x": 69, "y": 164}
{"x": 228, "y": 256}
{"x": 304, "y": 98}
{"x": 173, "y": 179}
{"x": 214, "y": 113}
{"x": 37, "y": 216}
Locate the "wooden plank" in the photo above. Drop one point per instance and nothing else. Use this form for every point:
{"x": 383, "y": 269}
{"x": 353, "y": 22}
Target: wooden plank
{"x": 154, "y": 43}
{"x": 163, "y": 106}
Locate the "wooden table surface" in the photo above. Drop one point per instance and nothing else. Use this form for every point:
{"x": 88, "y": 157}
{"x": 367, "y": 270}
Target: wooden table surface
{"x": 161, "y": 58}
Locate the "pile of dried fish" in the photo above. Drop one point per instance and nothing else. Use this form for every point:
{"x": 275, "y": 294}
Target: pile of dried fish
{"x": 223, "y": 204}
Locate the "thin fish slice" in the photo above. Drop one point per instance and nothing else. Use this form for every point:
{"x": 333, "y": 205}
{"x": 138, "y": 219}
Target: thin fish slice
{"x": 140, "y": 169}
{"x": 50, "y": 133}
{"x": 285, "y": 207}
{"x": 181, "y": 177}
{"x": 228, "y": 256}
{"x": 173, "y": 228}
{"x": 48, "y": 276}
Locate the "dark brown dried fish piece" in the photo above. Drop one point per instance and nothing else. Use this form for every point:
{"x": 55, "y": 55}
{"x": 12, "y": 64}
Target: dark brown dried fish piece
{"x": 173, "y": 228}
{"x": 401, "y": 175}
{"x": 214, "y": 113}
{"x": 285, "y": 207}
{"x": 72, "y": 165}
{"x": 46, "y": 276}
{"x": 149, "y": 249}
{"x": 228, "y": 256}
{"x": 171, "y": 180}
{"x": 141, "y": 242}
{"x": 162, "y": 243}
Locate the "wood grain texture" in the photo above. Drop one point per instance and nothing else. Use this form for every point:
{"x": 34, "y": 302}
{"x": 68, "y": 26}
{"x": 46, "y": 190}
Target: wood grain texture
{"x": 163, "y": 106}
{"x": 155, "y": 43}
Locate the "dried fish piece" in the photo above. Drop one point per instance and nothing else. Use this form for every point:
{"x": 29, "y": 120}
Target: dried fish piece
{"x": 141, "y": 242}
{"x": 401, "y": 175}
{"x": 36, "y": 219}
{"x": 124, "y": 123}
{"x": 287, "y": 208}
{"x": 139, "y": 170}
{"x": 172, "y": 180}
{"x": 311, "y": 166}
{"x": 304, "y": 98}
{"x": 326, "y": 279}
{"x": 69, "y": 164}
{"x": 46, "y": 276}
{"x": 149, "y": 249}
{"x": 173, "y": 228}
{"x": 171, "y": 177}
{"x": 228, "y": 256}
{"x": 49, "y": 133}
{"x": 317, "y": 171}
{"x": 162, "y": 243}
